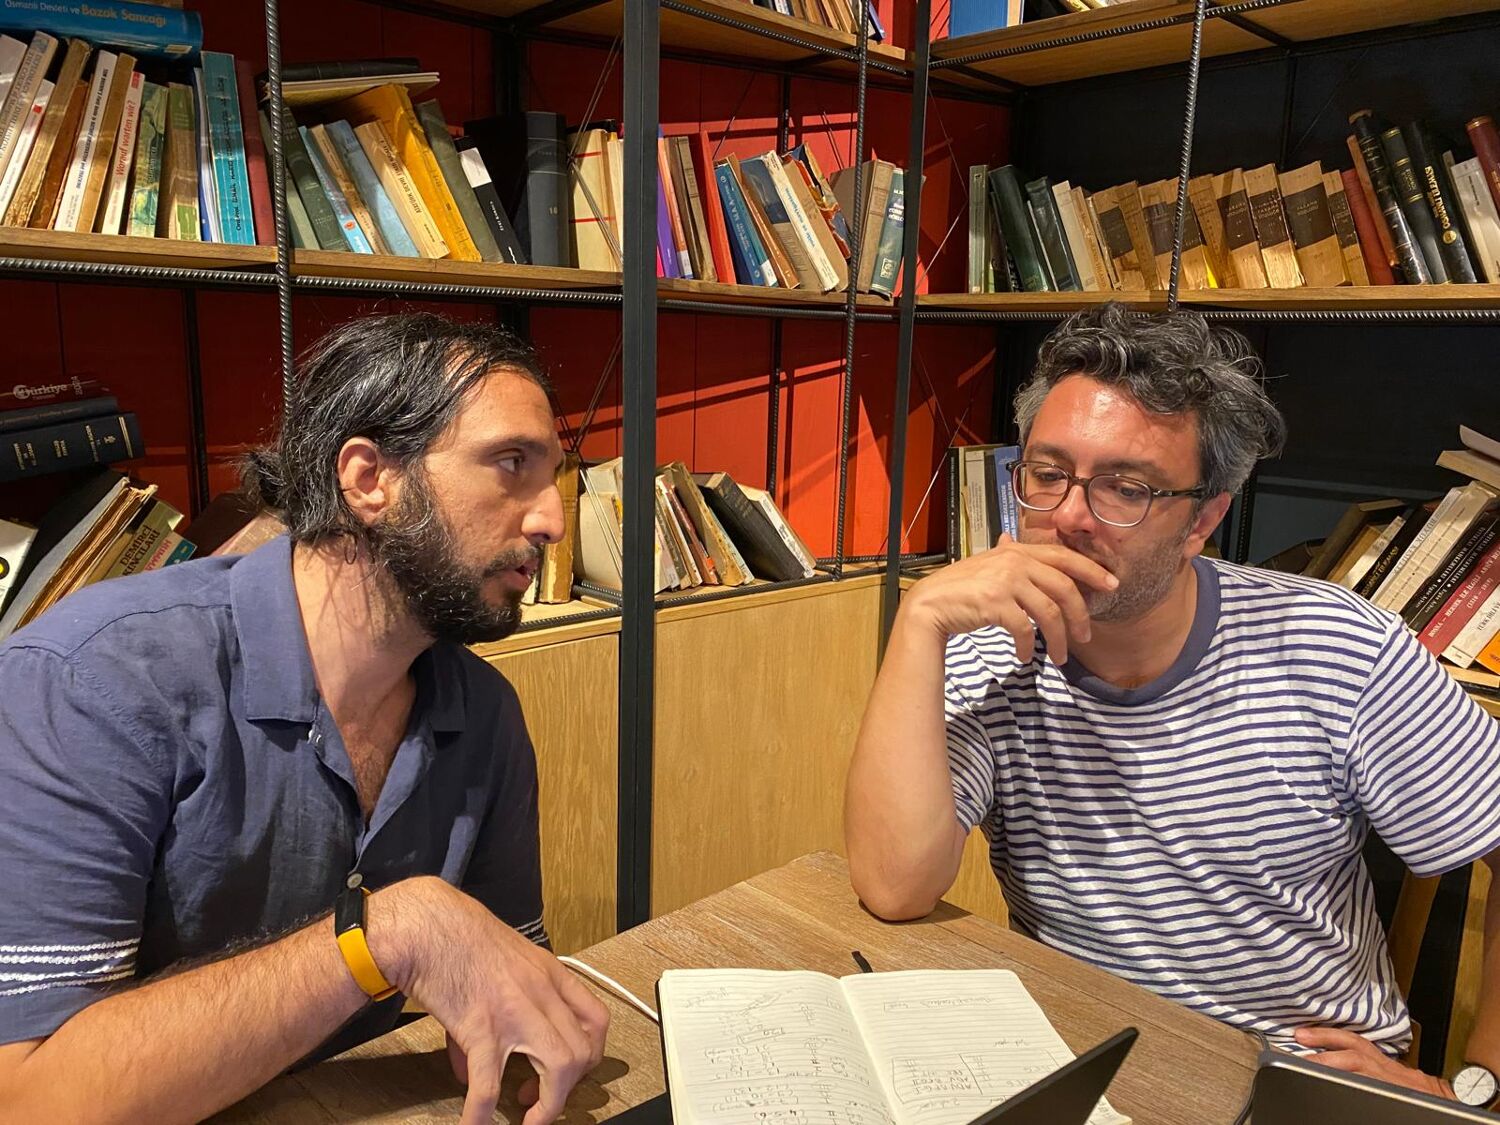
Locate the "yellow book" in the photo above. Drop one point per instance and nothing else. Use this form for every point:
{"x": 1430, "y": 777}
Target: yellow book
{"x": 391, "y": 106}
{"x": 399, "y": 185}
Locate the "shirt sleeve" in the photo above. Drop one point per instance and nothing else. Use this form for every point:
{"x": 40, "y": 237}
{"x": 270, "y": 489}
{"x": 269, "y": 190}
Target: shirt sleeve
{"x": 86, "y": 802}
{"x": 971, "y": 755}
{"x": 505, "y": 871}
{"x": 1423, "y": 761}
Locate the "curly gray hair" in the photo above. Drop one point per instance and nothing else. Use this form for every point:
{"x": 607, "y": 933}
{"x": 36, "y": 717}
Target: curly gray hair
{"x": 1172, "y": 363}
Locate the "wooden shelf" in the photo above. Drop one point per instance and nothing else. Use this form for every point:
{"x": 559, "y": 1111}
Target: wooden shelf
{"x": 118, "y": 249}
{"x": 677, "y": 605}
{"x": 555, "y": 624}
{"x": 718, "y": 292}
{"x": 440, "y": 271}
{"x": 1299, "y": 22}
{"x": 1344, "y": 298}
{"x": 694, "y": 33}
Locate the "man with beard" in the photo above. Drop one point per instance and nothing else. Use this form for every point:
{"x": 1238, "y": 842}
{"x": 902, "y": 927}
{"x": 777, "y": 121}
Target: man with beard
{"x": 201, "y": 764}
{"x": 1175, "y": 760}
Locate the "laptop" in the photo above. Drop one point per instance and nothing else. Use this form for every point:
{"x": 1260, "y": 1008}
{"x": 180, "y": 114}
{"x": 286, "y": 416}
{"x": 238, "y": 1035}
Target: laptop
{"x": 1065, "y": 1097}
{"x": 1290, "y": 1090}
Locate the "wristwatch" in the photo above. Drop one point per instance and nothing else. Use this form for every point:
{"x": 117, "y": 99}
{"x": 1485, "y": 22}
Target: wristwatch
{"x": 1476, "y": 1085}
{"x": 349, "y": 931}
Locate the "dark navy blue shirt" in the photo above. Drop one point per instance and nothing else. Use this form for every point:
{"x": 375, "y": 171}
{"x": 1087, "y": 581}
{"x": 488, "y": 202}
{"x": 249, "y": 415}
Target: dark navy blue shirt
{"x": 172, "y": 785}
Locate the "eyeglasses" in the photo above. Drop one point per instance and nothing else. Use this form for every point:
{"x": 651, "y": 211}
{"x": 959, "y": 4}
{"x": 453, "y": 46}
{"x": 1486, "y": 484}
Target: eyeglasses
{"x": 1115, "y": 500}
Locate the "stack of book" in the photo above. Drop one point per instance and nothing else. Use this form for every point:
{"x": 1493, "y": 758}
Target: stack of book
{"x": 1436, "y": 564}
{"x": 87, "y": 144}
{"x": 47, "y": 427}
{"x": 981, "y": 503}
{"x": 841, "y": 15}
{"x": 969, "y": 17}
{"x": 1408, "y": 211}
{"x": 710, "y": 531}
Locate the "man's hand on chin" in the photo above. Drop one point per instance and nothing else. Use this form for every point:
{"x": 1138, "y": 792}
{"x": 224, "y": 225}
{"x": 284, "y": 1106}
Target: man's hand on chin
{"x": 1347, "y": 1050}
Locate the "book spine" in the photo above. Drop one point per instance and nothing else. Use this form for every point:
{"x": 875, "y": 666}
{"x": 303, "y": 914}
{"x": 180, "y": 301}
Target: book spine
{"x": 29, "y": 130}
{"x": 49, "y": 192}
{"x": 666, "y": 244}
{"x": 1011, "y": 207}
{"x": 713, "y": 207}
{"x": 1271, "y": 230}
{"x": 227, "y": 146}
{"x": 1320, "y": 258}
{"x": 1409, "y": 256}
{"x": 1442, "y": 204}
{"x": 1413, "y": 200}
{"x": 1380, "y": 569}
{"x": 142, "y": 29}
{"x": 403, "y": 193}
{"x": 18, "y": 103}
{"x": 50, "y": 414}
{"x": 1343, "y": 226}
{"x": 348, "y": 224}
{"x": 979, "y": 250}
{"x": 740, "y": 226}
{"x": 478, "y": 175}
{"x": 1482, "y": 218}
{"x": 698, "y": 255}
{"x": 327, "y": 159}
{"x": 326, "y": 223}
{"x": 70, "y": 204}
{"x": 1482, "y": 628}
{"x": 69, "y": 445}
{"x": 262, "y": 214}
{"x": 430, "y": 116}
{"x": 549, "y": 215}
{"x": 49, "y": 137}
{"x": 888, "y": 252}
{"x": 383, "y": 212}
{"x": 1377, "y": 268}
{"x": 1432, "y": 593}
{"x": 1486, "y": 141}
{"x": 211, "y": 228}
{"x": 177, "y": 215}
{"x": 119, "y": 170}
{"x": 678, "y": 234}
{"x": 1049, "y": 227}
{"x": 801, "y": 223}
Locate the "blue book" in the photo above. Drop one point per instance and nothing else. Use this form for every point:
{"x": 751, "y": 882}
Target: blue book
{"x": 1010, "y": 512}
{"x": 208, "y": 201}
{"x": 145, "y": 30}
{"x": 341, "y": 209}
{"x": 367, "y": 183}
{"x": 742, "y": 233}
{"x": 969, "y": 17}
{"x": 666, "y": 245}
{"x": 226, "y": 142}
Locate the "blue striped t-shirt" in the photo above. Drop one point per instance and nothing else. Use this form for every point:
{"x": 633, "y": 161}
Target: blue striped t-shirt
{"x": 1200, "y": 835}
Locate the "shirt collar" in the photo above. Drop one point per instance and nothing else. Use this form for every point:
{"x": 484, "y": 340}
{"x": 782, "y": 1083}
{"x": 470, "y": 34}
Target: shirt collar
{"x": 279, "y": 680}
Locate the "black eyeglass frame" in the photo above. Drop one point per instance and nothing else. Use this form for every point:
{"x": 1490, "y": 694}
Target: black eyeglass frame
{"x": 1153, "y": 494}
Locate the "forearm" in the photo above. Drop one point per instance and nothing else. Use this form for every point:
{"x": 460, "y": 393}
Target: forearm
{"x": 900, "y": 822}
{"x": 1484, "y": 1040}
{"x": 186, "y": 1045}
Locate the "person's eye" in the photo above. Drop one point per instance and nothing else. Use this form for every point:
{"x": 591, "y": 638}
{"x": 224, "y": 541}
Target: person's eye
{"x": 511, "y": 462}
{"x": 1130, "y": 490}
{"x": 1048, "y": 475}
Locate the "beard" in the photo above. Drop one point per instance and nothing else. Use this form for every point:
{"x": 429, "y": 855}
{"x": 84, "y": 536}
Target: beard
{"x": 445, "y": 596}
{"x": 1146, "y": 572}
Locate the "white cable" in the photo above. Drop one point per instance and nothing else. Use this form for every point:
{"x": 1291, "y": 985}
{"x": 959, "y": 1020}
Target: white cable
{"x": 613, "y": 986}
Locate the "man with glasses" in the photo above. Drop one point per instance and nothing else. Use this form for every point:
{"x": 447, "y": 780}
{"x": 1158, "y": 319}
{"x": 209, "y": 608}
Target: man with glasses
{"x": 1175, "y": 760}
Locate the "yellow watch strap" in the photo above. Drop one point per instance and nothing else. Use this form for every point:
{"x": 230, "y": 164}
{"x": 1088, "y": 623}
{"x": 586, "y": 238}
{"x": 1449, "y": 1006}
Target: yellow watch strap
{"x": 362, "y": 965}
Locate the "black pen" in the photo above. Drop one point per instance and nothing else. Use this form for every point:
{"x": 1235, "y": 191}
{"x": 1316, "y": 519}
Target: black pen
{"x": 859, "y": 959}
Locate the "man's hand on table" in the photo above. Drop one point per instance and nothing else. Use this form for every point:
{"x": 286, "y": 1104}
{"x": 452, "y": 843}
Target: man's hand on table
{"x": 1350, "y": 1051}
{"x": 494, "y": 992}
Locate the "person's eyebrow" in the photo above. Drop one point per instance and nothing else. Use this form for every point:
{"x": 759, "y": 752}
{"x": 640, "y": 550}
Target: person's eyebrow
{"x": 1113, "y": 465}
{"x": 529, "y": 446}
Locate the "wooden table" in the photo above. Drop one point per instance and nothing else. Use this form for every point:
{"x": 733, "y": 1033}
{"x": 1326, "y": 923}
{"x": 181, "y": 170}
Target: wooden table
{"x": 1185, "y": 1069}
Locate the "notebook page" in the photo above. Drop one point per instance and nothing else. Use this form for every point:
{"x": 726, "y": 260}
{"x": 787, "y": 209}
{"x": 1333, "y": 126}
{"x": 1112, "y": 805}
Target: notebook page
{"x": 948, "y": 1045}
{"x": 750, "y": 1047}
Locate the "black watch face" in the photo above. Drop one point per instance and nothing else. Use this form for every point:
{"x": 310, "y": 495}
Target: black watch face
{"x": 1475, "y": 1085}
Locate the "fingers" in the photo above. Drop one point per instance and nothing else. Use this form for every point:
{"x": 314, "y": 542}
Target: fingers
{"x": 485, "y": 1067}
{"x": 1334, "y": 1038}
{"x": 1353, "y": 1062}
{"x": 1079, "y": 567}
{"x": 1049, "y": 619}
{"x": 589, "y": 1010}
{"x": 1069, "y": 599}
{"x": 526, "y": 1093}
{"x": 1014, "y": 621}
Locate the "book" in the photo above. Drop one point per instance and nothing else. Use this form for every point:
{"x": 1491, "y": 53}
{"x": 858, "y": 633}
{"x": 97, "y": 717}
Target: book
{"x": 823, "y": 195}
{"x": 1408, "y": 256}
{"x": 767, "y": 507}
{"x": 390, "y": 105}
{"x": 1094, "y": 236}
{"x": 339, "y": 186}
{"x": 117, "y": 181}
{"x": 30, "y": 127}
{"x": 343, "y": 212}
{"x": 1205, "y": 207}
{"x": 1241, "y": 242}
{"x": 669, "y": 260}
{"x": 49, "y": 193}
{"x": 1414, "y": 519}
{"x": 685, "y": 191}
{"x": 970, "y": 17}
{"x": 865, "y": 214}
{"x": 1473, "y": 464}
{"x": 1412, "y": 196}
{"x": 555, "y": 579}
{"x": 731, "y": 565}
{"x": 226, "y": 142}
{"x": 400, "y": 189}
{"x": 1119, "y": 248}
{"x": 177, "y": 205}
{"x": 595, "y": 236}
{"x": 1478, "y": 634}
{"x": 501, "y": 229}
{"x": 713, "y": 208}
{"x": 327, "y": 224}
{"x": 756, "y": 177}
{"x": 50, "y": 136}
{"x": 211, "y": 228}
{"x": 980, "y": 279}
{"x": 782, "y": 265}
{"x": 758, "y": 540}
{"x": 1159, "y": 206}
{"x": 367, "y": 185}
{"x": 1047, "y": 221}
{"x": 1451, "y": 573}
{"x": 298, "y": 93}
{"x": 753, "y": 263}
{"x": 15, "y": 542}
{"x": 435, "y": 129}
{"x": 324, "y": 69}
{"x": 888, "y": 253}
{"x": 1263, "y": 186}
{"x": 599, "y": 533}
{"x": 145, "y": 30}
{"x": 1377, "y": 268}
{"x": 880, "y": 1046}
{"x": 802, "y": 186}
{"x": 77, "y": 190}
{"x": 1315, "y": 240}
{"x": 16, "y": 104}
{"x": 256, "y": 169}
{"x": 829, "y": 267}
{"x": 1432, "y": 174}
{"x": 527, "y": 155}
{"x": 1454, "y": 516}
{"x": 1486, "y": 142}
{"x": 51, "y": 413}
{"x": 1021, "y": 236}
{"x": 69, "y": 445}
{"x": 302, "y": 234}
{"x": 1350, "y": 570}
{"x": 1479, "y": 213}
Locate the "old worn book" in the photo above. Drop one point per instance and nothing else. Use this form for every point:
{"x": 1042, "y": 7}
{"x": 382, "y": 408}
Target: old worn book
{"x": 1019, "y": 227}
{"x": 1407, "y": 255}
{"x": 1211, "y": 227}
{"x": 865, "y": 215}
{"x": 1480, "y": 215}
{"x": 1314, "y": 239}
{"x": 177, "y": 209}
{"x": 778, "y": 254}
{"x": 758, "y": 540}
{"x": 555, "y": 581}
{"x": 1441, "y": 201}
{"x": 1159, "y": 203}
{"x": 1120, "y": 248}
{"x": 1087, "y": 256}
{"x": 1356, "y": 516}
{"x": 1412, "y": 195}
{"x": 873, "y": 1047}
{"x": 730, "y": 564}
{"x": 50, "y": 136}
{"x": 1240, "y": 240}
{"x": 102, "y": 150}
{"x": 1095, "y": 234}
{"x": 145, "y": 174}
{"x": 1276, "y": 247}
{"x": 1129, "y": 197}
{"x": 1051, "y": 236}
{"x": 1348, "y": 222}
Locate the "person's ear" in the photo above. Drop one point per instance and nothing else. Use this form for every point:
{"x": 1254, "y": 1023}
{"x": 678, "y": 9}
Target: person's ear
{"x": 1205, "y": 523}
{"x": 366, "y": 479}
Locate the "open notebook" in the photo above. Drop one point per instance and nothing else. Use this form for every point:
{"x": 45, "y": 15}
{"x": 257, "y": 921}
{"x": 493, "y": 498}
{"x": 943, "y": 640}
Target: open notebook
{"x": 751, "y": 1047}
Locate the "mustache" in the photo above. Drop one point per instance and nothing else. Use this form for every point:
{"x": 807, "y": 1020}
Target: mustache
{"x": 510, "y": 560}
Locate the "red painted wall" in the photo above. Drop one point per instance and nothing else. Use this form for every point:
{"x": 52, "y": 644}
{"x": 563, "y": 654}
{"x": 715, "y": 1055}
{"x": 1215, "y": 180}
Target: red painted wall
{"x": 714, "y": 372}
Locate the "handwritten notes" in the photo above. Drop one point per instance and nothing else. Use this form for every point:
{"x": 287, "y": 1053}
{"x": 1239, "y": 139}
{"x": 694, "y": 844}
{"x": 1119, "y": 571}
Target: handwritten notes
{"x": 748, "y": 1047}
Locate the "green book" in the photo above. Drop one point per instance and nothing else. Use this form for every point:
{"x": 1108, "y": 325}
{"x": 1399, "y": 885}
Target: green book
{"x": 179, "y": 176}
{"x": 303, "y": 237}
{"x": 1020, "y": 233}
{"x": 145, "y": 176}
{"x": 299, "y": 166}
{"x": 430, "y": 114}
{"x": 888, "y": 250}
